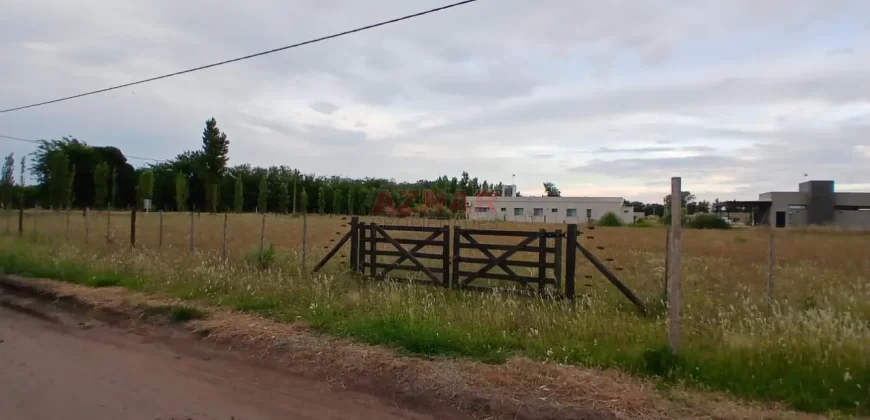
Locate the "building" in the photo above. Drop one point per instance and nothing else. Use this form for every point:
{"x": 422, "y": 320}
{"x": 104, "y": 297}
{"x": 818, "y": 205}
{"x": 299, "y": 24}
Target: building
{"x": 546, "y": 209}
{"x": 814, "y": 203}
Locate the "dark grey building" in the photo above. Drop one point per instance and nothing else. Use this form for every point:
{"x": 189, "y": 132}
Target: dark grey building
{"x": 816, "y": 203}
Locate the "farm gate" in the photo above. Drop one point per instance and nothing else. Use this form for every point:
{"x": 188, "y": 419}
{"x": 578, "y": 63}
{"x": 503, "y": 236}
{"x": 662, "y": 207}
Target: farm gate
{"x": 526, "y": 262}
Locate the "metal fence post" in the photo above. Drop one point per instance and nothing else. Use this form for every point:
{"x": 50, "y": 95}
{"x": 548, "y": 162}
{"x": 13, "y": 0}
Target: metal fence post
{"x": 570, "y": 260}
{"x": 263, "y": 235}
{"x": 674, "y": 295}
{"x": 66, "y": 230}
{"x": 108, "y": 226}
{"x": 160, "y": 230}
{"x": 667, "y": 262}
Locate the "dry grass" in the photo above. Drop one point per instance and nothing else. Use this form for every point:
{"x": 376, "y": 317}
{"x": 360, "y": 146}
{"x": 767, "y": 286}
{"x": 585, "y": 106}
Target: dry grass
{"x": 808, "y": 349}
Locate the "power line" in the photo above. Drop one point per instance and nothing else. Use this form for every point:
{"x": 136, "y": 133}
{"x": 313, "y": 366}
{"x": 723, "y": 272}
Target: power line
{"x": 40, "y": 142}
{"x": 312, "y": 41}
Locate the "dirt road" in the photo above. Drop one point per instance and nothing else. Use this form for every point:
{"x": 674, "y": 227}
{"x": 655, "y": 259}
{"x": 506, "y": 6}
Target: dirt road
{"x": 56, "y": 367}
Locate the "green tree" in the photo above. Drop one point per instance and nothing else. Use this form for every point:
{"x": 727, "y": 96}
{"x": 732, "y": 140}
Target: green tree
{"x": 145, "y": 188}
{"x": 336, "y": 201}
{"x": 181, "y": 192}
{"x": 351, "y": 204}
{"x": 238, "y": 196}
{"x": 101, "y": 184}
{"x": 551, "y": 190}
{"x": 321, "y": 200}
{"x": 58, "y": 179}
{"x": 7, "y": 180}
{"x": 213, "y": 160}
{"x": 283, "y": 198}
{"x": 263, "y": 197}
{"x": 304, "y": 201}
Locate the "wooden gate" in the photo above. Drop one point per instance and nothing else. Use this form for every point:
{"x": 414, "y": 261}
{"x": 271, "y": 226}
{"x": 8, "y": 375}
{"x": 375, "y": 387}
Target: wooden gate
{"x": 409, "y": 254}
{"x": 531, "y": 251}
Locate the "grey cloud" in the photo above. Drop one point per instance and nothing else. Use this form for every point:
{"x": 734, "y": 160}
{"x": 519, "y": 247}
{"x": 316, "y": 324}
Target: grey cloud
{"x": 360, "y": 124}
{"x": 542, "y": 155}
{"x": 841, "y": 51}
{"x": 324, "y": 107}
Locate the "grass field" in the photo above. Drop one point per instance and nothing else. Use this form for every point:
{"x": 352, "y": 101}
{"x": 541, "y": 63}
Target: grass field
{"x": 809, "y": 349}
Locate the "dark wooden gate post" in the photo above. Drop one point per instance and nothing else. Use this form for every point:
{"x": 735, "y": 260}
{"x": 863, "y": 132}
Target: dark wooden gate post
{"x": 373, "y": 250}
{"x": 542, "y": 258}
{"x": 354, "y": 243}
{"x": 570, "y": 260}
{"x": 445, "y": 255}
{"x": 557, "y": 258}
{"x": 457, "y": 238}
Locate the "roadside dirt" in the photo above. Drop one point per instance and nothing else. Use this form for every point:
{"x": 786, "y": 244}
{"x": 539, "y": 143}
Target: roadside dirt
{"x": 68, "y": 351}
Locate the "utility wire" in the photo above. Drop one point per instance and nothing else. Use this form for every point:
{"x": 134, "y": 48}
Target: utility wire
{"x": 312, "y": 41}
{"x": 41, "y": 141}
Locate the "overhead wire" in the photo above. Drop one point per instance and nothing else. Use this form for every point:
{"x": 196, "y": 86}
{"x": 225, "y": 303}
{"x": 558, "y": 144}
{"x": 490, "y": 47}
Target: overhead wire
{"x": 233, "y": 60}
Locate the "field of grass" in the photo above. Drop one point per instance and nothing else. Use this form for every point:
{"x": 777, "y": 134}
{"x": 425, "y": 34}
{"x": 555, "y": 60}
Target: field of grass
{"x": 809, "y": 349}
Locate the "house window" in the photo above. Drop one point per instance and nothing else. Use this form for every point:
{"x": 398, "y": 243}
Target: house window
{"x": 588, "y": 213}
{"x": 555, "y": 210}
{"x": 797, "y": 207}
{"x": 504, "y": 210}
{"x": 518, "y": 212}
{"x": 572, "y": 212}
{"x": 481, "y": 209}
{"x": 539, "y": 212}
{"x": 625, "y": 211}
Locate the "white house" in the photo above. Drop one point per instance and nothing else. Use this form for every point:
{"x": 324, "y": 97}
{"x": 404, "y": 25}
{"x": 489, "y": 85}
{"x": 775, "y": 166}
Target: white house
{"x": 546, "y": 209}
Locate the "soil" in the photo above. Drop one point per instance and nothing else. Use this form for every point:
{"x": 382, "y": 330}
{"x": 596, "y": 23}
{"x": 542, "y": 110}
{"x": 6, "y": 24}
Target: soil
{"x": 54, "y": 364}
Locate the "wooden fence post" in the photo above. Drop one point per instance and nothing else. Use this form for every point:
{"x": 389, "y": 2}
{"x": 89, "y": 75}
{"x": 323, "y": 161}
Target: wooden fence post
{"x": 570, "y": 260}
{"x": 21, "y": 217}
{"x": 542, "y": 258}
{"x": 674, "y": 295}
{"x": 133, "y": 228}
{"x": 190, "y": 234}
{"x": 771, "y": 268}
{"x": 87, "y": 224}
{"x": 160, "y": 230}
{"x": 667, "y": 262}
{"x": 224, "y": 239}
{"x": 263, "y": 235}
{"x": 373, "y": 248}
{"x": 354, "y": 243}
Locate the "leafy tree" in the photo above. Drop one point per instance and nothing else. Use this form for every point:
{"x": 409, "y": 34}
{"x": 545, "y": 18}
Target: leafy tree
{"x": 238, "y": 195}
{"x": 181, "y": 192}
{"x": 263, "y": 197}
{"x": 145, "y": 188}
{"x": 7, "y": 180}
{"x": 551, "y": 190}
{"x": 304, "y": 201}
{"x": 704, "y": 206}
{"x": 283, "y": 198}
{"x": 610, "y": 219}
{"x": 687, "y": 197}
{"x": 213, "y": 160}
{"x": 101, "y": 184}
{"x": 336, "y": 201}
{"x": 321, "y": 200}
{"x": 58, "y": 178}
{"x": 351, "y": 203}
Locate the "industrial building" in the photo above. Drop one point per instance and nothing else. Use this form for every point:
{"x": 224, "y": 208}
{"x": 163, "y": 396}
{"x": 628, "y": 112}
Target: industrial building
{"x": 546, "y": 209}
{"x": 814, "y": 203}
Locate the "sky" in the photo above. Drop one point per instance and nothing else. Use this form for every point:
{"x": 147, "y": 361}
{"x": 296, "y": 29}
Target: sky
{"x": 603, "y": 98}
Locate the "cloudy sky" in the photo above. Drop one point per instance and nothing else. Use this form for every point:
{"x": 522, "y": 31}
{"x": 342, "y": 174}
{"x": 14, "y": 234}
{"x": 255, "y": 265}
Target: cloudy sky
{"x": 613, "y": 98}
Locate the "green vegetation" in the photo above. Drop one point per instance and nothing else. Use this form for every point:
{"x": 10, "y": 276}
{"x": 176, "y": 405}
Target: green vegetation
{"x": 814, "y": 359}
{"x": 610, "y": 219}
{"x": 708, "y": 221}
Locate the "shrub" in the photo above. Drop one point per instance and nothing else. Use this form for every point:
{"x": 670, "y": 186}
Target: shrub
{"x": 610, "y": 219}
{"x": 263, "y": 258}
{"x": 708, "y": 221}
{"x": 643, "y": 223}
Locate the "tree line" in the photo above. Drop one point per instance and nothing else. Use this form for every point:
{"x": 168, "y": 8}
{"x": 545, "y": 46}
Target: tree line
{"x": 72, "y": 174}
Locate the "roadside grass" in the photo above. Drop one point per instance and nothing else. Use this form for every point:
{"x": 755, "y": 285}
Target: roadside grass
{"x": 813, "y": 356}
